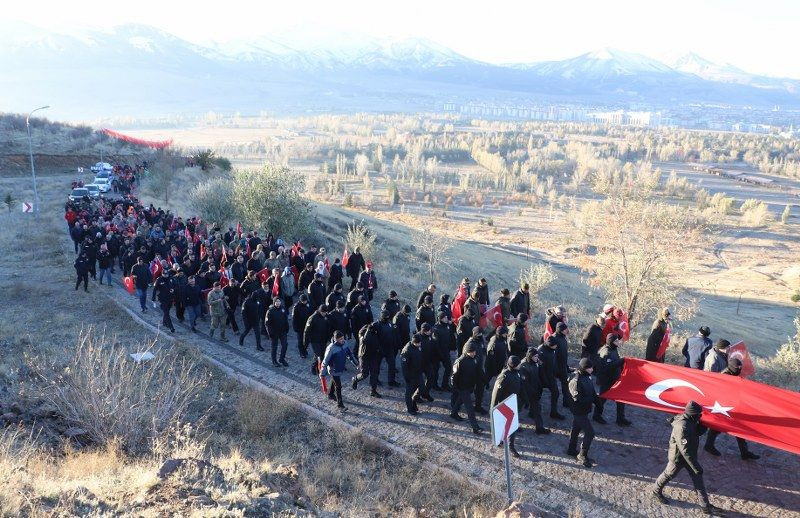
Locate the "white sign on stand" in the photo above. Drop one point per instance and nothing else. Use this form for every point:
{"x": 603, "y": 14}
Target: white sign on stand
{"x": 505, "y": 421}
{"x": 27, "y": 207}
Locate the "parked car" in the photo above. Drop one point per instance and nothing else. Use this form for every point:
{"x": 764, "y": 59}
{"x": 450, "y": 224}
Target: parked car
{"x": 94, "y": 190}
{"x": 78, "y": 194}
{"x": 102, "y": 184}
{"x": 100, "y": 167}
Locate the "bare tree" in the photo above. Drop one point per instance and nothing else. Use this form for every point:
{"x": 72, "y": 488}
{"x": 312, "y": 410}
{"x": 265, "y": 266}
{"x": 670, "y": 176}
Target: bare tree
{"x": 636, "y": 252}
{"x": 434, "y": 248}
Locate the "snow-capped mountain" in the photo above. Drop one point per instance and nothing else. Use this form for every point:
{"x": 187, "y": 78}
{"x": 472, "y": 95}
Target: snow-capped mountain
{"x": 138, "y": 70}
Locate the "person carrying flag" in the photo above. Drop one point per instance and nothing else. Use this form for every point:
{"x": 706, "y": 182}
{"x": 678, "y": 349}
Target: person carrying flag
{"x": 658, "y": 333}
{"x": 369, "y": 280}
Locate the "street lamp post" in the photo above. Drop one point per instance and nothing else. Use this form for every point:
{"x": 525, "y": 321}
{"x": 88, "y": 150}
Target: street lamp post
{"x": 30, "y": 152}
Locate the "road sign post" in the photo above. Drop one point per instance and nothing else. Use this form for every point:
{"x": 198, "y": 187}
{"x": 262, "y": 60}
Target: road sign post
{"x": 505, "y": 421}
{"x": 27, "y": 207}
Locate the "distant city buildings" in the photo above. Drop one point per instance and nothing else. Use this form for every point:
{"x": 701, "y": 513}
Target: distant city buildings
{"x": 558, "y": 113}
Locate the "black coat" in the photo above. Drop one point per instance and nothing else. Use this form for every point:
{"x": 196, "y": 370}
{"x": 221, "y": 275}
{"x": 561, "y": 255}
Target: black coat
{"x": 352, "y": 298}
{"x": 338, "y": 321}
{"x": 548, "y": 371}
{"x": 402, "y": 326}
{"x": 496, "y": 356}
{"x": 581, "y": 390}
{"x": 360, "y": 316}
{"x": 366, "y": 278}
{"x": 334, "y": 276}
{"x": 316, "y": 330}
{"x": 316, "y": 293}
{"x": 387, "y": 336}
{"x": 370, "y": 342}
{"x": 333, "y": 298}
{"x": 193, "y": 295}
{"x": 251, "y": 309}
{"x": 142, "y": 276}
{"x": 520, "y": 303}
{"x": 411, "y": 362}
{"x": 609, "y": 367}
{"x": 562, "y": 354}
{"x": 445, "y": 339}
{"x": 421, "y": 299}
{"x": 530, "y": 373}
{"x": 355, "y": 263}
{"x": 516, "y": 340}
{"x": 300, "y": 314}
{"x": 277, "y": 322}
{"x": 164, "y": 289}
{"x": 306, "y": 276}
{"x": 483, "y": 294}
{"x": 508, "y": 382}
{"x": 684, "y": 440}
{"x": 591, "y": 341}
{"x": 464, "y": 331}
{"x": 466, "y": 373}
{"x": 654, "y": 340}
{"x": 425, "y": 314}
{"x": 392, "y": 306}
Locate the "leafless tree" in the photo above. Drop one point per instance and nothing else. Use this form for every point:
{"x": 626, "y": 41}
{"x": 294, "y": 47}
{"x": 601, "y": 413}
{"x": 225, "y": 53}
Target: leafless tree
{"x": 434, "y": 248}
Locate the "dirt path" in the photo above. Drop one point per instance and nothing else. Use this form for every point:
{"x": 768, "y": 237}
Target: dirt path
{"x": 629, "y": 459}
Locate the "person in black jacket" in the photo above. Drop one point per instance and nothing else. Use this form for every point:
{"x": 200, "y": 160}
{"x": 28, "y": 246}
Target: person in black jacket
{"x": 591, "y": 339}
{"x": 609, "y": 368}
{"x": 352, "y": 299}
{"x": 82, "y": 271}
{"x": 734, "y": 368}
{"x": 277, "y": 322}
{"x": 445, "y": 342}
{"x": 369, "y": 358}
{"x": 466, "y": 324}
{"x": 300, "y": 313}
{"x": 387, "y": 337}
{"x": 466, "y": 375}
{"x": 426, "y": 293}
{"x": 193, "y": 299}
{"x": 562, "y": 360}
{"x": 180, "y": 282}
{"x": 402, "y": 326}
{"x": 335, "y": 296}
{"x": 355, "y": 263}
{"x": 306, "y": 277}
{"x": 521, "y": 302}
{"x": 482, "y": 291}
{"x": 105, "y": 263}
{"x": 683, "y": 443}
{"x": 509, "y": 382}
{"x": 425, "y": 314}
{"x": 251, "y": 316}
{"x": 497, "y": 353}
{"x": 518, "y": 343}
{"x": 411, "y": 367}
{"x": 233, "y": 296}
{"x": 165, "y": 291}
{"x": 391, "y": 305}
{"x": 337, "y": 319}
{"x": 530, "y": 371}
{"x": 369, "y": 280}
{"x": 360, "y": 317}
{"x": 335, "y": 276}
{"x": 480, "y": 347}
{"x": 657, "y": 333}
{"x": 316, "y": 334}
{"x": 141, "y": 279}
{"x": 316, "y": 291}
{"x": 581, "y": 388}
{"x": 239, "y": 269}
{"x": 548, "y": 354}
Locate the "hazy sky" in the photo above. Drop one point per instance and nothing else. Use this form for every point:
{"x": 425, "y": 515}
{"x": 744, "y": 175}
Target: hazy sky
{"x": 757, "y": 36}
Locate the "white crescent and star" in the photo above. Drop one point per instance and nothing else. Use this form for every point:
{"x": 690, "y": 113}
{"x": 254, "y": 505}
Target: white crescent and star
{"x": 654, "y": 391}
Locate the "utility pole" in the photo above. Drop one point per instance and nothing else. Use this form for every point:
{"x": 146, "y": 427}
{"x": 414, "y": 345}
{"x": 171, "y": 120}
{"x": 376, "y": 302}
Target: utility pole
{"x": 33, "y": 169}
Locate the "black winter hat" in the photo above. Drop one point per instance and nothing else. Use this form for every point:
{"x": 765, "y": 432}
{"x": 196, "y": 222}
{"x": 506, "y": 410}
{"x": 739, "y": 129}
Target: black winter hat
{"x": 417, "y": 338}
{"x": 502, "y": 330}
{"x": 532, "y": 351}
{"x": 440, "y": 315}
{"x": 407, "y": 308}
{"x": 384, "y": 313}
{"x": 692, "y": 408}
{"x": 610, "y": 339}
{"x": 428, "y": 299}
{"x": 551, "y": 341}
{"x": 705, "y": 330}
{"x": 476, "y": 331}
{"x": 561, "y": 326}
{"x": 338, "y": 334}
{"x": 585, "y": 363}
{"x": 469, "y": 347}
{"x": 522, "y": 317}
{"x": 513, "y": 362}
{"x": 734, "y": 363}
{"x": 722, "y": 344}
{"x": 425, "y": 326}
{"x": 392, "y": 294}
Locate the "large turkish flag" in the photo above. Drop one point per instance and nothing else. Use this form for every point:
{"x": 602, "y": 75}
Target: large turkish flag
{"x": 731, "y": 404}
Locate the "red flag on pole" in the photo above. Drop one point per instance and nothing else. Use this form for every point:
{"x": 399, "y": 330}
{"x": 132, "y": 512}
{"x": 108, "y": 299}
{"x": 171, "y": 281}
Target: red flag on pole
{"x": 264, "y": 274}
{"x": 155, "y": 269}
{"x": 739, "y": 350}
{"x": 224, "y": 260}
{"x": 322, "y": 380}
{"x": 128, "y": 282}
{"x": 296, "y": 275}
{"x": 202, "y": 251}
{"x": 494, "y": 316}
{"x": 276, "y": 285}
{"x": 223, "y": 277}
{"x": 731, "y": 404}
{"x": 458, "y": 303}
{"x": 239, "y": 230}
{"x": 662, "y": 349}
{"x": 345, "y": 257}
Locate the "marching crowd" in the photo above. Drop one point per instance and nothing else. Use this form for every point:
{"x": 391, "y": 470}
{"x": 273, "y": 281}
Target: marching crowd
{"x": 462, "y": 346}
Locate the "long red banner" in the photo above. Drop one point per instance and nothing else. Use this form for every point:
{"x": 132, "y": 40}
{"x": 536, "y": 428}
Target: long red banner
{"x": 731, "y": 404}
{"x": 155, "y": 144}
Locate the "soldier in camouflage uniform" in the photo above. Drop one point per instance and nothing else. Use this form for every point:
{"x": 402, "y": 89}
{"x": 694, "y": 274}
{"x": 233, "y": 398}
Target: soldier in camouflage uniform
{"x": 216, "y": 307}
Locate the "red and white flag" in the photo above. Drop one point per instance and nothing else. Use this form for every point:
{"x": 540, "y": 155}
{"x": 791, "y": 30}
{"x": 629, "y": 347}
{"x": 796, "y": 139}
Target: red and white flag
{"x": 276, "y": 285}
{"x": 739, "y": 350}
{"x": 662, "y": 348}
{"x": 458, "y": 303}
{"x": 731, "y": 404}
{"x": 345, "y": 257}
